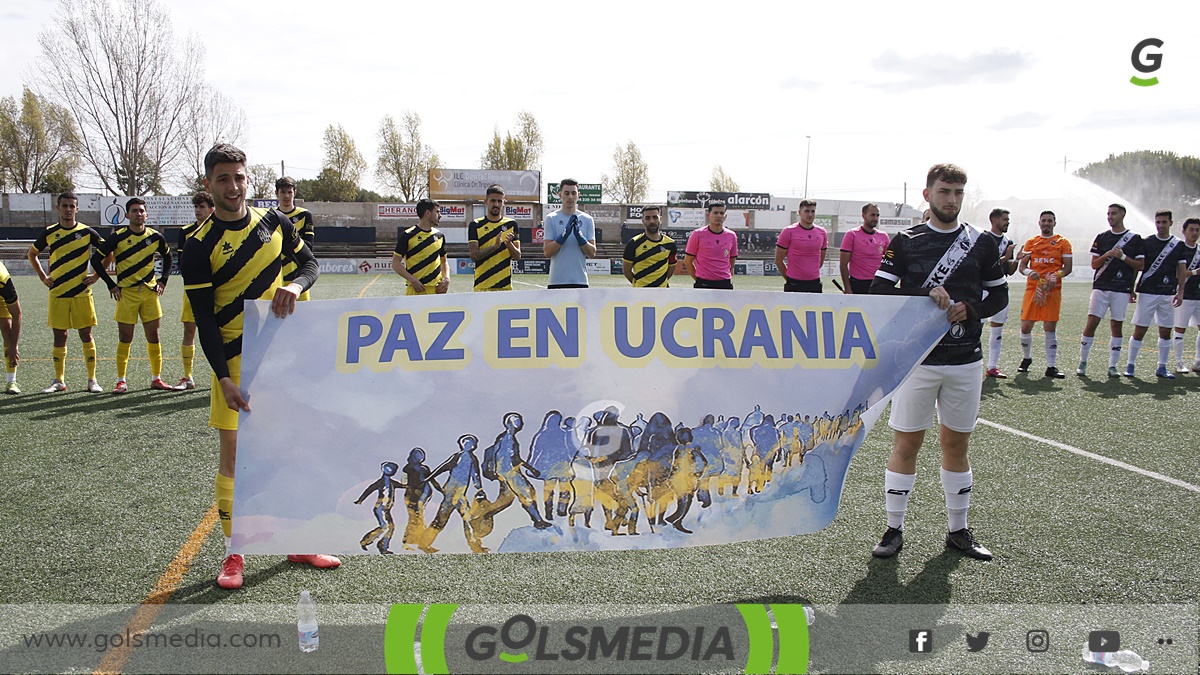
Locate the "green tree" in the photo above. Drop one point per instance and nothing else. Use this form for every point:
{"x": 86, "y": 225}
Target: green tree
{"x": 56, "y": 181}
{"x": 36, "y": 139}
{"x": 145, "y": 178}
{"x": 329, "y": 186}
{"x": 262, "y": 179}
{"x": 721, "y": 181}
{"x": 630, "y": 180}
{"x": 520, "y": 152}
{"x": 343, "y": 161}
{"x": 1150, "y": 179}
{"x": 404, "y": 161}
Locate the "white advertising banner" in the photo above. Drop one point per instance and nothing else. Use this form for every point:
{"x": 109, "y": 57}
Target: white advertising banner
{"x": 624, "y": 411}
{"x": 389, "y": 211}
{"x": 160, "y": 211}
{"x": 472, "y": 184}
{"x": 598, "y": 265}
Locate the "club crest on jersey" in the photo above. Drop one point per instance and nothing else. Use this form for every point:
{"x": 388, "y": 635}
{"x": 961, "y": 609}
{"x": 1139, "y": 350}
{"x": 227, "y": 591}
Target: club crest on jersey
{"x": 957, "y": 330}
{"x": 264, "y": 237}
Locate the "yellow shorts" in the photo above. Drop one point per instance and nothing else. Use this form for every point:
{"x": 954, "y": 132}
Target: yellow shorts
{"x": 4, "y": 311}
{"x": 138, "y": 302}
{"x": 187, "y": 316}
{"x": 219, "y": 414}
{"x": 430, "y": 289}
{"x": 75, "y": 312}
{"x": 1031, "y": 311}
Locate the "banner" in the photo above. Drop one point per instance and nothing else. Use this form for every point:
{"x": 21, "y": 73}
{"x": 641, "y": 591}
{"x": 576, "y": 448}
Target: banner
{"x": 160, "y": 211}
{"x": 733, "y": 200}
{"x": 472, "y": 184}
{"x": 589, "y": 193}
{"x": 389, "y": 211}
{"x": 634, "y": 409}
{"x": 518, "y": 212}
{"x": 454, "y": 212}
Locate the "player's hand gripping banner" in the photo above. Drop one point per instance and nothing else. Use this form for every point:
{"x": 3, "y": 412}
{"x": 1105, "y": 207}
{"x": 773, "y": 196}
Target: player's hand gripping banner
{"x": 566, "y": 420}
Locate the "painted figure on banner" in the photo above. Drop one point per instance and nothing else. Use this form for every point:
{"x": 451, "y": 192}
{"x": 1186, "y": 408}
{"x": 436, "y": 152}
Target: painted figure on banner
{"x": 708, "y": 439}
{"x": 385, "y": 494}
{"x": 732, "y": 458}
{"x": 502, "y": 463}
{"x": 462, "y": 492}
{"x": 416, "y": 494}
{"x": 687, "y": 466}
{"x": 550, "y": 453}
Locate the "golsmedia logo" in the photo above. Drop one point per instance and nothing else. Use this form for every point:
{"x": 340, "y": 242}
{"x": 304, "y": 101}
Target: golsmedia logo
{"x": 697, "y": 640}
{"x": 1146, "y": 63}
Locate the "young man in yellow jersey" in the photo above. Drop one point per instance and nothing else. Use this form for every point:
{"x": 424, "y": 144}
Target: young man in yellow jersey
{"x": 203, "y": 206}
{"x": 302, "y": 219}
{"x": 10, "y": 329}
{"x": 420, "y": 255}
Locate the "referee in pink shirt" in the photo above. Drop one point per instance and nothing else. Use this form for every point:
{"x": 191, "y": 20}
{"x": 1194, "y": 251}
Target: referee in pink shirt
{"x": 862, "y": 251}
{"x": 800, "y": 251}
{"x": 711, "y": 250}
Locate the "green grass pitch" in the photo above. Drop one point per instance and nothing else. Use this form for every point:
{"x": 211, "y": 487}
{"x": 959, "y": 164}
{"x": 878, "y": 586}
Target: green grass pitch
{"x": 101, "y": 491}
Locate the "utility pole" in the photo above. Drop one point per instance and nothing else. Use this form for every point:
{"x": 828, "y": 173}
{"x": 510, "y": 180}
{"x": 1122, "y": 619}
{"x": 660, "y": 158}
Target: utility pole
{"x": 807, "y": 154}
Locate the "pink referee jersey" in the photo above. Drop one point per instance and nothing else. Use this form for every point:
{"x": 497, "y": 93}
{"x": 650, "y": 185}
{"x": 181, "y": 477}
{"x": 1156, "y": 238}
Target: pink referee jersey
{"x": 803, "y": 250}
{"x": 712, "y": 252}
{"x": 866, "y": 251}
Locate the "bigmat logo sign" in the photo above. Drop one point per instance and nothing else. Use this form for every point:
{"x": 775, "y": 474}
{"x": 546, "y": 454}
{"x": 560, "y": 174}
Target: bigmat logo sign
{"x": 564, "y": 639}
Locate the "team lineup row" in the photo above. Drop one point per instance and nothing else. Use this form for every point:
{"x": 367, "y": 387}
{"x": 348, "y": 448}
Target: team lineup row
{"x": 237, "y": 252}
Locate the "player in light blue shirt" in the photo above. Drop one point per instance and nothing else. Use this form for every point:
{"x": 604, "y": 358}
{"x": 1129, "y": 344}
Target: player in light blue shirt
{"x": 570, "y": 238}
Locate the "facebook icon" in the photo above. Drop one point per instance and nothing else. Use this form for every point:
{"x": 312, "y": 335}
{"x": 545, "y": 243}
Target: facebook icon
{"x": 920, "y": 641}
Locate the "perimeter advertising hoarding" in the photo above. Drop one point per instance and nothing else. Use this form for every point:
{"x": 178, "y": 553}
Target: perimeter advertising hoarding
{"x": 733, "y": 200}
{"x": 472, "y": 184}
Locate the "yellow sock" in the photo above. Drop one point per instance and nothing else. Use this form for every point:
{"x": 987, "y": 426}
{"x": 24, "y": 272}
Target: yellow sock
{"x": 122, "y": 359}
{"x": 10, "y": 366}
{"x": 89, "y": 356}
{"x": 154, "y": 351}
{"x": 225, "y": 503}
{"x": 188, "y": 352}
{"x": 60, "y": 363}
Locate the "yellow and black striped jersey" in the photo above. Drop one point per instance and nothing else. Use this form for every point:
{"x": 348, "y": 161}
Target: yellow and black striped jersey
{"x": 185, "y": 232}
{"x": 650, "y": 260}
{"x": 302, "y": 220}
{"x": 493, "y": 273}
{"x": 133, "y": 255}
{"x": 8, "y": 292}
{"x": 238, "y": 261}
{"x": 423, "y": 252}
{"x": 70, "y": 251}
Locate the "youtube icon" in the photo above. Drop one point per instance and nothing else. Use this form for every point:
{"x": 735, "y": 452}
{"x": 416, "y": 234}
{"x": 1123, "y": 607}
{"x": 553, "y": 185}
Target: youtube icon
{"x": 1104, "y": 641}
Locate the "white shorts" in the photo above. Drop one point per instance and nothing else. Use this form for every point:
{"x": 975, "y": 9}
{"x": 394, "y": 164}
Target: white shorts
{"x": 1154, "y": 309}
{"x": 1116, "y": 302}
{"x": 1000, "y": 317}
{"x": 953, "y": 390}
{"x": 1187, "y": 313}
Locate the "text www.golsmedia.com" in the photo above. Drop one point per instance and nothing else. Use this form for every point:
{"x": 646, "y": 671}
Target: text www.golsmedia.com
{"x": 196, "y": 639}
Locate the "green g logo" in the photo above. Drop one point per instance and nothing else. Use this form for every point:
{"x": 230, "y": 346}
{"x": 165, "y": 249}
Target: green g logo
{"x": 1146, "y": 63}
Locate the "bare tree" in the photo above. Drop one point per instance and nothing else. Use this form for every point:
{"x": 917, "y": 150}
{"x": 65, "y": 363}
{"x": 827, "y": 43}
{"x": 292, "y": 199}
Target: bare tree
{"x": 521, "y": 152}
{"x": 721, "y": 181}
{"x": 262, "y": 179}
{"x": 129, "y": 82}
{"x": 631, "y": 176}
{"x": 36, "y": 140}
{"x": 342, "y": 157}
{"x": 216, "y": 119}
{"x": 404, "y": 161}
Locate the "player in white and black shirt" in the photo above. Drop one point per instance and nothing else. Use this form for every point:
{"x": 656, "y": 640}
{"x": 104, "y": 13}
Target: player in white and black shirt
{"x": 1117, "y": 257}
{"x": 948, "y": 380}
{"x": 1164, "y": 261}
{"x": 999, "y": 220}
{"x": 1188, "y": 295}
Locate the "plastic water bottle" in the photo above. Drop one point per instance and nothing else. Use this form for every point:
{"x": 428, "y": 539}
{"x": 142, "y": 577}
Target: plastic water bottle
{"x": 306, "y": 623}
{"x": 1125, "y": 659}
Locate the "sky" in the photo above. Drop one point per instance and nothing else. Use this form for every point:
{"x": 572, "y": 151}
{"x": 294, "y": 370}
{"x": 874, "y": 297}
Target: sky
{"x": 854, "y": 99}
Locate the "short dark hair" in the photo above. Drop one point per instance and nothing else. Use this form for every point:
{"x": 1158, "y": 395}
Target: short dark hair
{"x": 650, "y": 208}
{"x": 1190, "y": 221}
{"x": 286, "y": 181}
{"x": 494, "y": 189}
{"x": 202, "y": 197}
{"x": 950, "y": 173}
{"x": 996, "y": 213}
{"x": 567, "y": 181}
{"x": 807, "y": 202}
{"x": 134, "y": 200}
{"x": 1050, "y": 213}
{"x": 1118, "y": 206}
{"x": 714, "y": 203}
{"x": 425, "y": 206}
{"x": 66, "y": 195}
{"x": 1164, "y": 212}
{"x": 222, "y": 153}
{"x": 869, "y": 205}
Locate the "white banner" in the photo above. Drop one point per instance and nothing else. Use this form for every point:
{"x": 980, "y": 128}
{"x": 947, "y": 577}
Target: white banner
{"x": 160, "y": 211}
{"x": 453, "y": 212}
{"x": 388, "y": 211}
{"x": 768, "y": 392}
{"x": 598, "y": 265}
{"x": 518, "y": 212}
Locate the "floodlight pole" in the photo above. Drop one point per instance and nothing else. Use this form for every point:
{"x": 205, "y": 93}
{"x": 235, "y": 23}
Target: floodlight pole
{"x": 807, "y": 154}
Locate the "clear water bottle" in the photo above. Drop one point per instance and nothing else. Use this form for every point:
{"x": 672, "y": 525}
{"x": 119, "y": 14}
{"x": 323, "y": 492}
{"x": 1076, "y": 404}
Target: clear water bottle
{"x": 306, "y": 623}
{"x": 1125, "y": 659}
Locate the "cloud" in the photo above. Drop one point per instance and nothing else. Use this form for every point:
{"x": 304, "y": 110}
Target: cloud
{"x": 1138, "y": 117}
{"x": 794, "y": 82}
{"x": 942, "y": 70}
{"x": 1023, "y": 120}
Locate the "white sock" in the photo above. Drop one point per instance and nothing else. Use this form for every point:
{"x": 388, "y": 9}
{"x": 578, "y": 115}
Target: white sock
{"x": 1135, "y": 346}
{"x": 1178, "y": 344}
{"x": 957, "y": 486}
{"x": 896, "y": 489}
{"x": 10, "y": 377}
{"x": 1114, "y": 348}
{"x": 1085, "y": 348}
{"x": 1198, "y": 347}
{"x": 228, "y": 546}
{"x": 1026, "y": 344}
{"x": 997, "y": 342}
{"x": 1164, "y": 352}
{"x": 1051, "y": 349}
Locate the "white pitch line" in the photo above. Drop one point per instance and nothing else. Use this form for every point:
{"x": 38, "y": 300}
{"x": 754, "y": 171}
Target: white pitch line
{"x": 1091, "y": 455}
{"x": 526, "y": 283}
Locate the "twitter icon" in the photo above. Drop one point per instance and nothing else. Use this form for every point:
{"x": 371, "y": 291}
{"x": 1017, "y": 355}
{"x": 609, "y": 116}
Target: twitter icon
{"x": 976, "y": 643}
